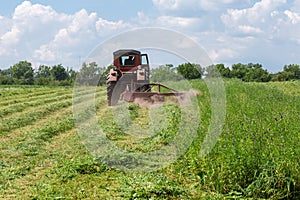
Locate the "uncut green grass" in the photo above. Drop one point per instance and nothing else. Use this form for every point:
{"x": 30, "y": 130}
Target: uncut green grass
{"x": 257, "y": 155}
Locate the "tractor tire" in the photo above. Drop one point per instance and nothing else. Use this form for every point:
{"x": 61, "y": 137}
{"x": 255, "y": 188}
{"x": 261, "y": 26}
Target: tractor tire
{"x": 111, "y": 100}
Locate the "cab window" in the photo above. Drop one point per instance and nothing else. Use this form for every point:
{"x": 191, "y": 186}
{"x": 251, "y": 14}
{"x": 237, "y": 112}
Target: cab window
{"x": 127, "y": 60}
{"x": 144, "y": 60}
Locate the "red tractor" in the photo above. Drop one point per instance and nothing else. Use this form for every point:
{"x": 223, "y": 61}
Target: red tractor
{"x": 130, "y": 78}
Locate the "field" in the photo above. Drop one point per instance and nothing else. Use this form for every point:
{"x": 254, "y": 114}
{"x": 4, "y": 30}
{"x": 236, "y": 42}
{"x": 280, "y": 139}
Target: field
{"x": 257, "y": 155}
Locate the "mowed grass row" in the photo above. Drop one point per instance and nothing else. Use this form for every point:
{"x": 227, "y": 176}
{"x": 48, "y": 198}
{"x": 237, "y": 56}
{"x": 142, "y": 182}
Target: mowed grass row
{"x": 28, "y": 94}
{"x": 22, "y": 114}
{"x": 255, "y": 157}
{"x": 20, "y": 104}
{"x": 37, "y": 101}
{"x": 26, "y": 150}
{"x": 25, "y": 143}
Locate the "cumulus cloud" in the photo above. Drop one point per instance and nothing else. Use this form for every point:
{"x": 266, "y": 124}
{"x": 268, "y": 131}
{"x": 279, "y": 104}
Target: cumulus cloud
{"x": 104, "y": 27}
{"x": 27, "y": 11}
{"x": 266, "y": 19}
{"x": 40, "y": 34}
{"x": 4, "y": 23}
{"x": 30, "y": 25}
{"x": 236, "y": 31}
{"x": 195, "y": 5}
{"x": 249, "y": 29}
{"x": 293, "y": 16}
{"x": 223, "y": 48}
{"x": 79, "y": 36}
{"x": 178, "y": 23}
{"x": 252, "y": 20}
{"x": 45, "y": 53}
{"x": 11, "y": 37}
{"x": 78, "y": 31}
{"x": 181, "y": 22}
{"x": 166, "y": 4}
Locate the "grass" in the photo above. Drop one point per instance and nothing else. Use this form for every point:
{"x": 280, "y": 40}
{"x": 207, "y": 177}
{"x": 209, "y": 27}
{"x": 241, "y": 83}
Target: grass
{"x": 256, "y": 157}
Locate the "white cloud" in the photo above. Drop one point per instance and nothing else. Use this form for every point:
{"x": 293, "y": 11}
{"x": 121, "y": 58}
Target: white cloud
{"x": 45, "y": 54}
{"x": 181, "y": 22}
{"x": 270, "y": 27}
{"x": 105, "y": 27}
{"x": 27, "y": 11}
{"x": 261, "y": 14}
{"x": 223, "y": 48}
{"x": 196, "y": 5}
{"x": 249, "y": 29}
{"x": 217, "y": 55}
{"x": 39, "y": 34}
{"x": 218, "y": 4}
{"x": 79, "y": 32}
{"x": 166, "y": 4}
{"x": 5, "y": 32}
{"x": 81, "y": 26}
{"x": 255, "y": 14}
{"x": 30, "y": 25}
{"x": 293, "y": 16}
{"x": 11, "y": 37}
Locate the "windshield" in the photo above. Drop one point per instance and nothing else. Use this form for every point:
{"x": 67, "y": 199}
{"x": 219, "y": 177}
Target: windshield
{"x": 127, "y": 60}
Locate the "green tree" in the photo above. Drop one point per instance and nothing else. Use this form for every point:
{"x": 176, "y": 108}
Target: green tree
{"x": 59, "y": 73}
{"x": 43, "y": 71}
{"x": 43, "y": 75}
{"x": 212, "y": 71}
{"x": 190, "y": 71}
{"x": 256, "y": 73}
{"x": 282, "y": 76}
{"x": 217, "y": 71}
{"x": 5, "y": 77}
{"x": 294, "y": 70}
{"x": 6, "y": 72}
{"x": 165, "y": 73}
{"x": 224, "y": 71}
{"x": 90, "y": 74}
{"x": 72, "y": 75}
{"x": 239, "y": 71}
{"x": 22, "y": 73}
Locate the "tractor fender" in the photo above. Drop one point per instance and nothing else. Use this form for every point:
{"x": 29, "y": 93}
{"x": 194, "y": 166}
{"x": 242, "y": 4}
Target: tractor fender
{"x": 114, "y": 74}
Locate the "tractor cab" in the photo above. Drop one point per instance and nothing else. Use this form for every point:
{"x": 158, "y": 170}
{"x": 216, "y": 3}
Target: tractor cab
{"x": 126, "y": 60}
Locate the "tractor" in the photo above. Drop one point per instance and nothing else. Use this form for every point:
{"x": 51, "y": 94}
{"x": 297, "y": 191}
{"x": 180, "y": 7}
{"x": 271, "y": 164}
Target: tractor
{"x": 130, "y": 78}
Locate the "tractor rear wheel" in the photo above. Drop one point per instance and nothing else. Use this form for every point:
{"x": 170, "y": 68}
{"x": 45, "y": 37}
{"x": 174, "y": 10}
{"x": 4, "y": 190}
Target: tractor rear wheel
{"x": 110, "y": 86}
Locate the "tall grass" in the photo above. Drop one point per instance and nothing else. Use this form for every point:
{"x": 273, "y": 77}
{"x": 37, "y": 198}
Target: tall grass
{"x": 258, "y": 152}
{"x": 256, "y": 156}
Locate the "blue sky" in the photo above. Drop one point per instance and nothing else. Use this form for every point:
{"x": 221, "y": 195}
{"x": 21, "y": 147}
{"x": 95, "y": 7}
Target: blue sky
{"x": 231, "y": 31}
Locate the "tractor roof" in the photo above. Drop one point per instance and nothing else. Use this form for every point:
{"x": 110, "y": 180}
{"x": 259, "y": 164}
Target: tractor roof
{"x": 126, "y": 51}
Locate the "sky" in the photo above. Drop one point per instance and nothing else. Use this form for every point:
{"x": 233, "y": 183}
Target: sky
{"x": 230, "y": 31}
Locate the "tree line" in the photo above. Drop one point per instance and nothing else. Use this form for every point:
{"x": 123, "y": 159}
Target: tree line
{"x": 22, "y": 73}
{"x": 246, "y": 72}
